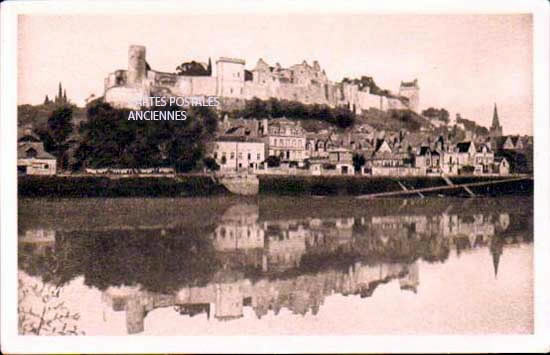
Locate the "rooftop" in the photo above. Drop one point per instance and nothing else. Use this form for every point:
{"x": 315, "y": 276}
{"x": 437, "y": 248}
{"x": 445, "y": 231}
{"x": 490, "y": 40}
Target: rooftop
{"x": 231, "y": 60}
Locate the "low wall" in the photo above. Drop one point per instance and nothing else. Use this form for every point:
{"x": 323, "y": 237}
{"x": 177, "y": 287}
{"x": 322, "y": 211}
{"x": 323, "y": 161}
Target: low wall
{"x": 397, "y": 171}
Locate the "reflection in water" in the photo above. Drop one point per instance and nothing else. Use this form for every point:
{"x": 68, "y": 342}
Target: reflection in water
{"x": 253, "y": 257}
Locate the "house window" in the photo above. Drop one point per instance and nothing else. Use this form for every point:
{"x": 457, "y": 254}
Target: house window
{"x": 215, "y": 155}
{"x": 232, "y": 155}
{"x": 240, "y": 155}
{"x": 249, "y": 156}
{"x": 258, "y": 156}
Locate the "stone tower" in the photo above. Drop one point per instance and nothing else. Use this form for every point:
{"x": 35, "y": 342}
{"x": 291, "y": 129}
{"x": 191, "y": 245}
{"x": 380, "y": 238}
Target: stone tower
{"x": 496, "y": 128}
{"x": 410, "y": 90}
{"x": 136, "y": 65}
{"x": 230, "y": 77}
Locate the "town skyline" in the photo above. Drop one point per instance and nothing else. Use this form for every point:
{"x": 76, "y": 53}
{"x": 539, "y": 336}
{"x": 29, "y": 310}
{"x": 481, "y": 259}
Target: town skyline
{"x": 503, "y": 45}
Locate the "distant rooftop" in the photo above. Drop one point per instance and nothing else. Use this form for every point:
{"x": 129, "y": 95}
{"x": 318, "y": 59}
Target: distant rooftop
{"x": 231, "y": 60}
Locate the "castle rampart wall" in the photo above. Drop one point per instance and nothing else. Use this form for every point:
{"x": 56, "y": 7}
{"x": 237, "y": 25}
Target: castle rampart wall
{"x": 125, "y": 97}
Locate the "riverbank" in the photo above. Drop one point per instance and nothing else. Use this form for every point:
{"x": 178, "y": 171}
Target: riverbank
{"x": 361, "y": 186}
{"x": 102, "y": 186}
{"x": 202, "y": 185}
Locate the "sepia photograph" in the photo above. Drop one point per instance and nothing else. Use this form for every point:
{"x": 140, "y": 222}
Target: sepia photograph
{"x": 273, "y": 174}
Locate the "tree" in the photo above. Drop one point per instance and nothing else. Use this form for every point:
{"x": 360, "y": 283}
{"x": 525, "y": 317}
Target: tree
{"x": 54, "y": 136}
{"x": 211, "y": 164}
{"x": 434, "y": 113}
{"x": 358, "y": 161}
{"x": 60, "y": 124}
{"x": 194, "y": 68}
{"x": 273, "y": 161}
{"x": 256, "y": 108}
{"x": 59, "y": 96}
{"x": 467, "y": 169}
{"x": 111, "y": 140}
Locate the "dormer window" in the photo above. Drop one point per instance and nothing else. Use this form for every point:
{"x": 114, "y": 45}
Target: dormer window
{"x": 31, "y": 153}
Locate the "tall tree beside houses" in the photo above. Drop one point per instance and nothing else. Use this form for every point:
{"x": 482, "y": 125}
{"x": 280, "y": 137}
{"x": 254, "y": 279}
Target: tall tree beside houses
{"x": 61, "y": 98}
{"x": 109, "y": 139}
{"x": 54, "y": 136}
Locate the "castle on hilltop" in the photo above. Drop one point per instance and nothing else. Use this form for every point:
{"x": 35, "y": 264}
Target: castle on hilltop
{"x": 234, "y": 84}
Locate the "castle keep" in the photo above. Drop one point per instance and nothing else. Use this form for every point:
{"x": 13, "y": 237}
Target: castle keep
{"x": 234, "y": 84}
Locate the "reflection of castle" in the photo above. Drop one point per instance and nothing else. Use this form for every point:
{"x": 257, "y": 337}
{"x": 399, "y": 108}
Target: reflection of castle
{"x": 228, "y": 296}
{"x": 277, "y": 246}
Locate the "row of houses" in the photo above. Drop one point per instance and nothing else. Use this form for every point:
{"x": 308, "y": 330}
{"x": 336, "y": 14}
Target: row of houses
{"x": 284, "y": 146}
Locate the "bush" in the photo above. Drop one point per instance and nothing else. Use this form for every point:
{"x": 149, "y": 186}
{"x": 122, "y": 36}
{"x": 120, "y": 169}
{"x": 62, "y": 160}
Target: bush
{"x": 358, "y": 161}
{"x": 256, "y": 108}
{"x": 210, "y": 164}
{"x": 467, "y": 169}
{"x": 273, "y": 161}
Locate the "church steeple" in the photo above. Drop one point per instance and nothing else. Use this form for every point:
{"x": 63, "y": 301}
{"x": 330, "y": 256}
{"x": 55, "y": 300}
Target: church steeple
{"x": 496, "y": 128}
{"x": 496, "y": 249}
{"x": 495, "y": 117}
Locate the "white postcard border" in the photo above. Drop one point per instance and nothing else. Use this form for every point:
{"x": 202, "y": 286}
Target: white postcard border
{"x": 11, "y": 342}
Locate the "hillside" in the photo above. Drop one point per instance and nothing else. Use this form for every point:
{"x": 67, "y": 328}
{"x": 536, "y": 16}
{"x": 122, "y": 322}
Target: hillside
{"x": 37, "y": 116}
{"x": 393, "y": 120}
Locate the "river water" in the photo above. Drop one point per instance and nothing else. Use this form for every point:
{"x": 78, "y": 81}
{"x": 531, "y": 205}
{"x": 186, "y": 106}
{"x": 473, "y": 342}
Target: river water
{"x": 275, "y": 266}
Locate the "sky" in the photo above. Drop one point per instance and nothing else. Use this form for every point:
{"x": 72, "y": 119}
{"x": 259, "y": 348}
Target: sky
{"x": 463, "y": 63}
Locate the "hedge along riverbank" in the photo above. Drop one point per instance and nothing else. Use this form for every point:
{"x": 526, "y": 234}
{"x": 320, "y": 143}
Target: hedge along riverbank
{"x": 100, "y": 186}
{"x": 195, "y": 185}
{"x": 350, "y": 185}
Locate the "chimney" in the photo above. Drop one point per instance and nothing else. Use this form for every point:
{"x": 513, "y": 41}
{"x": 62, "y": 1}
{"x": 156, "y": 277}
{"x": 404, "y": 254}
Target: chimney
{"x": 265, "y": 127}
